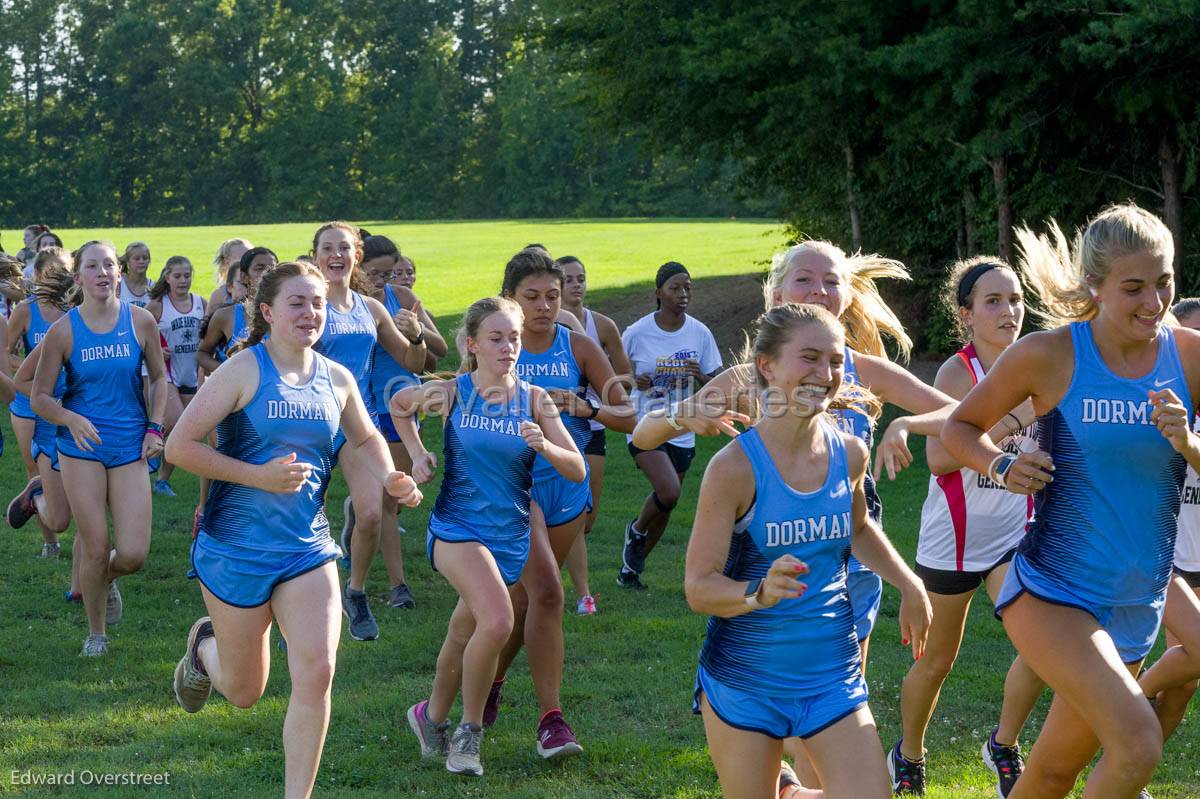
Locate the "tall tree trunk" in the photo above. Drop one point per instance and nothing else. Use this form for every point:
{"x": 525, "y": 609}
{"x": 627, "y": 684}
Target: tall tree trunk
{"x": 969, "y": 224}
{"x": 1004, "y": 225}
{"x": 852, "y": 198}
{"x": 1168, "y": 159}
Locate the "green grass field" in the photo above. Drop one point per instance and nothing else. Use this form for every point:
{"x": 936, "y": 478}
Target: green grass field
{"x": 459, "y": 262}
{"x": 629, "y": 669}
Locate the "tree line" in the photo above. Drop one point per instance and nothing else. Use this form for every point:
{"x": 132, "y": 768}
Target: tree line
{"x": 923, "y": 129}
{"x": 124, "y": 112}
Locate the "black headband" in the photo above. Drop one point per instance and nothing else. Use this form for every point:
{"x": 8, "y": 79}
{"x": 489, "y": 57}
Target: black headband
{"x": 968, "y": 281}
{"x": 668, "y": 271}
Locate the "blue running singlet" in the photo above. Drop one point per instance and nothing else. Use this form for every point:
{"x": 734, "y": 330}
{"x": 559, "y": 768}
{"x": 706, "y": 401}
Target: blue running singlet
{"x": 349, "y": 338}
{"x": 1103, "y": 532}
{"x": 486, "y": 477}
{"x": 33, "y": 335}
{"x": 556, "y": 368}
{"x": 866, "y": 589}
{"x": 387, "y": 376}
{"x": 560, "y": 499}
{"x": 251, "y": 540}
{"x": 802, "y": 646}
{"x": 104, "y": 384}
{"x": 279, "y": 419}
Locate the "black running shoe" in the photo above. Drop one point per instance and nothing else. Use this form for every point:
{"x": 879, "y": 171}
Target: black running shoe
{"x": 628, "y": 579}
{"x": 908, "y": 776}
{"x": 1006, "y": 762}
{"x": 633, "y": 555}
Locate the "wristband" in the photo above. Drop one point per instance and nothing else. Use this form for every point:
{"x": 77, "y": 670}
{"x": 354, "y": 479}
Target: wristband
{"x": 670, "y": 417}
{"x": 150, "y": 431}
{"x": 997, "y": 470}
{"x": 1016, "y": 419}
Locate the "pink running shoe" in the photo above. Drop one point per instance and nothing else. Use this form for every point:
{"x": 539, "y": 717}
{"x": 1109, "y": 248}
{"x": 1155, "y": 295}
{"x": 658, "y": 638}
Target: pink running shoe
{"x": 555, "y": 738}
{"x": 586, "y": 606}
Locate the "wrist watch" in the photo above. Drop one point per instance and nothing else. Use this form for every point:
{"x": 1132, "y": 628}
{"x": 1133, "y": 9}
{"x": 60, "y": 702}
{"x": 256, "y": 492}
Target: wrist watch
{"x": 420, "y": 339}
{"x": 670, "y": 417}
{"x": 752, "y": 594}
{"x": 595, "y": 406}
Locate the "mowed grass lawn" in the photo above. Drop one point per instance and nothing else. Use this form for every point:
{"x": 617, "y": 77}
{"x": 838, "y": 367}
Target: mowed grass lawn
{"x": 629, "y": 669}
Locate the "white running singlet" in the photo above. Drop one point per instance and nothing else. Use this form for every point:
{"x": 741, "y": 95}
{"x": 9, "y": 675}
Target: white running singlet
{"x": 182, "y": 334}
{"x": 968, "y": 522}
{"x": 1187, "y": 542}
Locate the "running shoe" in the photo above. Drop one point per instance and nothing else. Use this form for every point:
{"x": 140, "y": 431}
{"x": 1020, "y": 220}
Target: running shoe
{"x": 434, "y": 738}
{"x": 50, "y": 551}
{"x": 401, "y": 597}
{"x": 491, "y": 708}
{"x": 463, "y": 757}
{"x": 347, "y": 532}
{"x": 164, "y": 488}
{"x": 628, "y": 579}
{"x": 22, "y": 507}
{"x": 73, "y": 596}
{"x": 192, "y": 685}
{"x": 358, "y": 611}
{"x": 1006, "y": 762}
{"x": 1144, "y": 794}
{"x": 787, "y": 778}
{"x": 114, "y": 606}
{"x": 908, "y": 776}
{"x": 555, "y": 738}
{"x": 586, "y": 606}
{"x": 633, "y": 556}
{"x": 94, "y": 646}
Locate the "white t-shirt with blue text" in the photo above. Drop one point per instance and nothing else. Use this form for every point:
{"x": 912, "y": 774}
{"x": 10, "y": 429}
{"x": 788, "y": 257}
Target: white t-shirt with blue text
{"x": 664, "y": 355}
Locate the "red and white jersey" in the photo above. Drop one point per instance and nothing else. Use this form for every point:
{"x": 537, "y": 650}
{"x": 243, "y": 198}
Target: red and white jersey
{"x": 1187, "y": 543}
{"x": 969, "y": 522}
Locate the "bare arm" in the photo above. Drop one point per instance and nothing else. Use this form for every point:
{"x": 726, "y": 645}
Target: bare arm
{"x": 410, "y": 356}
{"x": 875, "y": 550}
{"x": 367, "y": 442}
{"x": 710, "y": 411}
{"x": 147, "y": 332}
{"x": 433, "y": 397}
{"x": 616, "y": 412}
{"x": 7, "y": 389}
{"x": 610, "y": 339}
{"x": 23, "y": 379}
{"x": 216, "y": 334}
{"x": 726, "y": 493}
{"x": 18, "y": 323}
{"x": 1031, "y": 369}
{"x": 556, "y": 445}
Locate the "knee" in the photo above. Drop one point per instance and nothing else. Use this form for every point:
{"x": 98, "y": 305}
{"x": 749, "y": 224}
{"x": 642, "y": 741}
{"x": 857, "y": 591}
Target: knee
{"x": 368, "y": 518}
{"x": 128, "y": 561}
{"x": 934, "y": 667}
{"x": 245, "y": 694}
{"x": 57, "y": 519}
{"x": 312, "y": 675}
{"x": 495, "y": 628}
{"x": 665, "y": 499}
{"x": 547, "y": 595}
{"x": 1137, "y": 753}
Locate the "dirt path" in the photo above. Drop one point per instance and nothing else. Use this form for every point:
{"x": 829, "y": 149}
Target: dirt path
{"x": 728, "y": 306}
